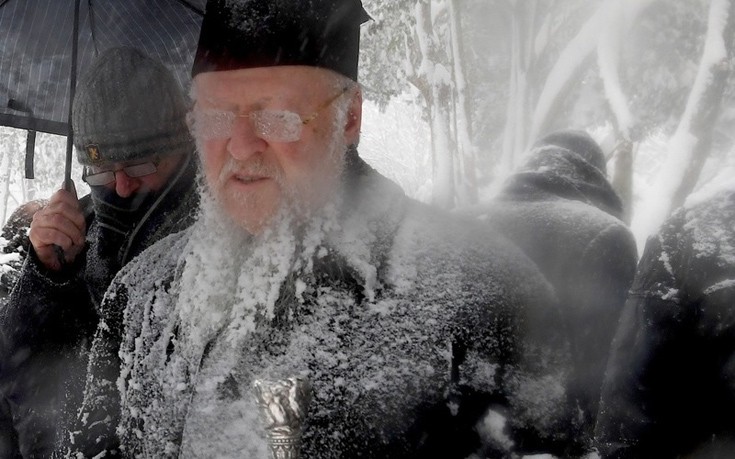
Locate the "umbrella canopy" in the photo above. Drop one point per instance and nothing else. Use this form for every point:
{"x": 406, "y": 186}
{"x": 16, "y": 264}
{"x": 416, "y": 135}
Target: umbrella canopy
{"x": 38, "y": 44}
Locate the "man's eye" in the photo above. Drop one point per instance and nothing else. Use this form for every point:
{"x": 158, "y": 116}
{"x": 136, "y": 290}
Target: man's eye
{"x": 277, "y": 125}
{"x": 212, "y": 123}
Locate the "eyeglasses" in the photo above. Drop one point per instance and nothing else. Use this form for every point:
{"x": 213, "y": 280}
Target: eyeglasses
{"x": 271, "y": 125}
{"x": 96, "y": 176}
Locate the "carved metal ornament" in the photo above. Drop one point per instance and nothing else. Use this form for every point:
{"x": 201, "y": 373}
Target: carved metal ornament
{"x": 283, "y": 406}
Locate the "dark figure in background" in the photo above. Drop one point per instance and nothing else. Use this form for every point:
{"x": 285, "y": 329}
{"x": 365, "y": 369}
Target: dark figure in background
{"x": 561, "y": 211}
{"x": 305, "y": 262}
{"x": 15, "y": 234}
{"x": 568, "y": 165}
{"x": 130, "y": 134}
{"x": 669, "y": 388}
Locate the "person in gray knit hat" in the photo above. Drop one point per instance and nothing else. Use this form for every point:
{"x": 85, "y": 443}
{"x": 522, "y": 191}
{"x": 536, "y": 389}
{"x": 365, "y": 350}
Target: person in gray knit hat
{"x": 130, "y": 133}
{"x": 130, "y": 108}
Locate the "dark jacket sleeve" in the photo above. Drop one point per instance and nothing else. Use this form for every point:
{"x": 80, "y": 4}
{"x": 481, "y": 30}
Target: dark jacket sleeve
{"x": 42, "y": 326}
{"x": 597, "y": 288}
{"x": 39, "y": 304}
{"x": 8, "y": 437}
{"x": 94, "y": 431}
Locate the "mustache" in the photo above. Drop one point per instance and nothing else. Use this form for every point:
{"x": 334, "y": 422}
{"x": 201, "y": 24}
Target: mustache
{"x": 255, "y": 166}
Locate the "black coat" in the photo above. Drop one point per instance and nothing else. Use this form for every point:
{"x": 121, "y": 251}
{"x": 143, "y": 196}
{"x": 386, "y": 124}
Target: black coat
{"x": 47, "y": 326}
{"x": 670, "y": 386}
{"x": 553, "y": 210}
{"x": 410, "y": 326}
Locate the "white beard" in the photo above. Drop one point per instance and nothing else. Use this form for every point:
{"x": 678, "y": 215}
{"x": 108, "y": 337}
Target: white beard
{"x": 231, "y": 279}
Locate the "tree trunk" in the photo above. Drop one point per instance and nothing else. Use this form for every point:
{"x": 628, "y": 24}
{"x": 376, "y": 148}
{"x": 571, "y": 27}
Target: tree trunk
{"x": 622, "y": 181}
{"x": 514, "y": 134}
{"x": 691, "y": 143}
{"x": 466, "y": 167}
{"x": 439, "y": 103}
{"x": 6, "y": 165}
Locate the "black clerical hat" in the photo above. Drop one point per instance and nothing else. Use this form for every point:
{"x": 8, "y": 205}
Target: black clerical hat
{"x": 240, "y": 34}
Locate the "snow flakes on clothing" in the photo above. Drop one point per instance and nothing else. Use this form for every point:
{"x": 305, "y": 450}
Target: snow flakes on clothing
{"x": 373, "y": 303}
{"x": 698, "y": 235}
{"x": 671, "y": 361}
{"x": 712, "y": 238}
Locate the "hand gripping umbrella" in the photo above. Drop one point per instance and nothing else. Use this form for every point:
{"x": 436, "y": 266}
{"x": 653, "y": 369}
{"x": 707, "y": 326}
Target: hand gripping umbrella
{"x": 45, "y": 44}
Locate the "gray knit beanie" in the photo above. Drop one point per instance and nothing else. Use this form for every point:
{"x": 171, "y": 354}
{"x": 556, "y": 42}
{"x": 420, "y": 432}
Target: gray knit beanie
{"x": 128, "y": 106}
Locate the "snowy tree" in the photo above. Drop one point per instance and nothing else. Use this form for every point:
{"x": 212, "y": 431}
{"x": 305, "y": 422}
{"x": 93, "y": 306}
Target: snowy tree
{"x": 538, "y": 74}
{"x": 49, "y": 156}
{"x": 690, "y": 145}
{"x": 417, "y": 43}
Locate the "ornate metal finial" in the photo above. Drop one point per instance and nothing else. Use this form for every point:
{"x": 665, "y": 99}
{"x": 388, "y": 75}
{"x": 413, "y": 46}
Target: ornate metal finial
{"x": 283, "y": 406}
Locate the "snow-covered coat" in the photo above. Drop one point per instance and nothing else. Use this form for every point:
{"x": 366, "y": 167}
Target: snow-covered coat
{"x": 421, "y": 336}
{"x": 15, "y": 244}
{"x": 588, "y": 255}
{"x": 47, "y": 327}
{"x": 669, "y": 385}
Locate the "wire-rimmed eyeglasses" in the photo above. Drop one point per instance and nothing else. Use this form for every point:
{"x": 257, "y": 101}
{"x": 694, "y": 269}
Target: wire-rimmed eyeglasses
{"x": 271, "y": 125}
{"x": 96, "y": 176}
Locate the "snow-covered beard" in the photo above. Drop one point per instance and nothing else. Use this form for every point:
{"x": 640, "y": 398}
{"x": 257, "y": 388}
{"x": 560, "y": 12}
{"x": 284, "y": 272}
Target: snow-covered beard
{"x": 231, "y": 280}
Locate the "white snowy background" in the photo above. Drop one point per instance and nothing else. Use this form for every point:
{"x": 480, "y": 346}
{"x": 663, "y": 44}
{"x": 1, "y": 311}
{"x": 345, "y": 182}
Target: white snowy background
{"x": 457, "y": 90}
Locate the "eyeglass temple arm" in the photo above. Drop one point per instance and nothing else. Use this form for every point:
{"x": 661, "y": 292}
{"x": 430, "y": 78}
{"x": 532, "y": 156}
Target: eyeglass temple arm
{"x": 326, "y": 104}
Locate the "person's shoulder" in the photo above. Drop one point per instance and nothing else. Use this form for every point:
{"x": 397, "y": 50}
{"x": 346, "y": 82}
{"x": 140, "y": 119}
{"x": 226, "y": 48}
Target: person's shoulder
{"x": 700, "y": 232}
{"x": 562, "y": 214}
{"x": 595, "y": 230}
{"x": 703, "y": 232}
{"x": 445, "y": 233}
{"x": 156, "y": 262}
{"x": 709, "y": 221}
{"x": 480, "y": 257}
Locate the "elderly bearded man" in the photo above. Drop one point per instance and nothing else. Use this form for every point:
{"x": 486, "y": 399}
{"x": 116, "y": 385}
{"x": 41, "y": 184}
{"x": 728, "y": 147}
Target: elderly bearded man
{"x": 421, "y": 337}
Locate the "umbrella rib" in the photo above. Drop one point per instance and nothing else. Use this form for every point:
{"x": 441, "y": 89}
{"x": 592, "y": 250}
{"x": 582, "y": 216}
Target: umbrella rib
{"x": 3, "y": 3}
{"x": 72, "y": 90}
{"x": 183, "y": 2}
{"x": 92, "y": 27}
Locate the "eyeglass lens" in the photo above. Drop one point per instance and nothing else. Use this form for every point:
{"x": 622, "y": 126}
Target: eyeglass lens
{"x": 133, "y": 171}
{"x": 271, "y": 125}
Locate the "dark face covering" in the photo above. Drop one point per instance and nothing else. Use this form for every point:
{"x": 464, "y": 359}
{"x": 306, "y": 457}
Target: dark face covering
{"x": 117, "y": 214}
{"x": 117, "y": 217}
{"x": 126, "y": 226}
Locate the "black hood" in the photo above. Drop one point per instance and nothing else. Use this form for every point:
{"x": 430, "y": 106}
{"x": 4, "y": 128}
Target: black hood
{"x": 553, "y": 172}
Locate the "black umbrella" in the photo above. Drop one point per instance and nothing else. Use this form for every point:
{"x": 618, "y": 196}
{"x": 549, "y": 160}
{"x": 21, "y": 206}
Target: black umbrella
{"x": 45, "y": 44}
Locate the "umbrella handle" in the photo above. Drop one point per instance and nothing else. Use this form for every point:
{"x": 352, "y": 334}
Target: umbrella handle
{"x": 68, "y": 186}
{"x": 60, "y": 255}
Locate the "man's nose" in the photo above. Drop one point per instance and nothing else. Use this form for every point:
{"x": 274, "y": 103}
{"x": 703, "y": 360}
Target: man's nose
{"x": 245, "y": 141}
{"x": 124, "y": 185}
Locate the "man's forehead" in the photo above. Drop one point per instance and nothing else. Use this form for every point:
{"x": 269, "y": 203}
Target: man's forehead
{"x": 286, "y": 75}
{"x": 263, "y": 84}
